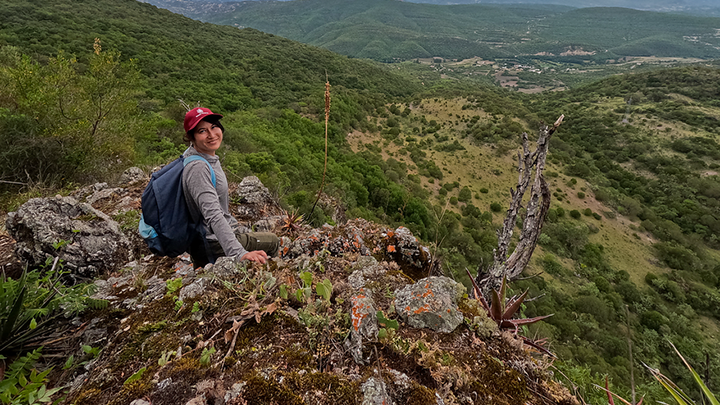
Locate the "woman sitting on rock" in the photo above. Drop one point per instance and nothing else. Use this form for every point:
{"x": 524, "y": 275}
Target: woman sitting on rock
{"x": 205, "y": 133}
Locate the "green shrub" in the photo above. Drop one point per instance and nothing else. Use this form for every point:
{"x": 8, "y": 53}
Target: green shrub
{"x": 484, "y": 190}
{"x": 552, "y": 266}
{"x": 587, "y": 212}
{"x": 495, "y": 207}
{"x": 465, "y": 195}
{"x": 602, "y": 284}
{"x": 575, "y": 214}
{"x": 652, "y": 320}
{"x": 581, "y": 195}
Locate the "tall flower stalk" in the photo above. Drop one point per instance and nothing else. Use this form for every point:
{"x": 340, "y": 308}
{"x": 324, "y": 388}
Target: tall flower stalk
{"x": 327, "y": 118}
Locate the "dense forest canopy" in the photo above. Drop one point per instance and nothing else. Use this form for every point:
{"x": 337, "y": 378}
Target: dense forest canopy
{"x": 643, "y": 149}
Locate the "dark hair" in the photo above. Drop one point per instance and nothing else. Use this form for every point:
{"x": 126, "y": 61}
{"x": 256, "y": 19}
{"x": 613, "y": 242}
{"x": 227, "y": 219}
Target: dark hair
{"x": 190, "y": 135}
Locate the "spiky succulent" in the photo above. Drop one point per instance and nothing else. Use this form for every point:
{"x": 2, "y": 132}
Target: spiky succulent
{"x": 291, "y": 222}
{"x": 502, "y": 311}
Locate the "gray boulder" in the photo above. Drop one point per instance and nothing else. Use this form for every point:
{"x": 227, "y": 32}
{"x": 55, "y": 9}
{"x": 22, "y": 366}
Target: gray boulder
{"x": 133, "y": 175}
{"x": 88, "y": 241}
{"x": 431, "y": 303}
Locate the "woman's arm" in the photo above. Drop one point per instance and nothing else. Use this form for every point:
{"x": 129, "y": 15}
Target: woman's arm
{"x": 198, "y": 185}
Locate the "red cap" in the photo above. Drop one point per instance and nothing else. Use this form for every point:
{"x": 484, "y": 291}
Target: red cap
{"x": 196, "y": 115}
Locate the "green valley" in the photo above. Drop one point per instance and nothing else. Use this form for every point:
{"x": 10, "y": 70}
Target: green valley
{"x": 529, "y": 47}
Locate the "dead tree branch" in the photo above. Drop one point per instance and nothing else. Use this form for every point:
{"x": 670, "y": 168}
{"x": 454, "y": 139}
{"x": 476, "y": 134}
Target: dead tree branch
{"x": 511, "y": 266}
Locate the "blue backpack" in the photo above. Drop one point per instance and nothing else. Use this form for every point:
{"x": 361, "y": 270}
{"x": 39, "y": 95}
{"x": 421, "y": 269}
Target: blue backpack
{"x": 166, "y": 223}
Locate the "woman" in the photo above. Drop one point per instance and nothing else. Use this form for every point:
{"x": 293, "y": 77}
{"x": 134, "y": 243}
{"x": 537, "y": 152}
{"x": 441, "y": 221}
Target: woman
{"x": 205, "y": 133}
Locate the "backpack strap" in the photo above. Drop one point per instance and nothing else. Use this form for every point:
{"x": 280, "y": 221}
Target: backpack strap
{"x": 198, "y": 157}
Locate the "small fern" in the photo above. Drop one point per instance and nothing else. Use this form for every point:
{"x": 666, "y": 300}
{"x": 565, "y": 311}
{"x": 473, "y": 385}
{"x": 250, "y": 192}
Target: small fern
{"x": 97, "y": 304}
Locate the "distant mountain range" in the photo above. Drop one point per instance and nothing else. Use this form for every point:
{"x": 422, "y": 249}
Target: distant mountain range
{"x": 651, "y": 5}
{"x": 693, "y": 7}
{"x": 388, "y": 30}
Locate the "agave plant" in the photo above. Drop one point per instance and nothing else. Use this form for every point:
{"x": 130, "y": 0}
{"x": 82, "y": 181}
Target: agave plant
{"x": 20, "y": 310}
{"x": 292, "y": 222}
{"x": 502, "y": 311}
{"x": 675, "y": 391}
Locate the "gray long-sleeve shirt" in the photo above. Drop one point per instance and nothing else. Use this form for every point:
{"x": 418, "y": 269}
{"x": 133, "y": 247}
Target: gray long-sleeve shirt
{"x": 211, "y": 203}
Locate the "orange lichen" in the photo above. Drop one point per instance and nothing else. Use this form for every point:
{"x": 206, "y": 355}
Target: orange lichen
{"x": 391, "y": 248}
{"x": 357, "y": 315}
{"x": 424, "y": 308}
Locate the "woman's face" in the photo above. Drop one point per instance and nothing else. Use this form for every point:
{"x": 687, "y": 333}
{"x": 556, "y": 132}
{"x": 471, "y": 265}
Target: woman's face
{"x": 208, "y": 137}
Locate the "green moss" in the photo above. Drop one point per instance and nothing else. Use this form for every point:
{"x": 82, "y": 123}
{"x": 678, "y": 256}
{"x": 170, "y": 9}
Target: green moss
{"x": 420, "y": 395}
{"x": 89, "y": 397}
{"x": 260, "y": 390}
{"x": 338, "y": 391}
{"x": 132, "y": 391}
{"x": 470, "y": 308}
{"x": 503, "y": 384}
{"x": 229, "y": 361}
{"x": 325, "y": 387}
{"x": 298, "y": 357}
{"x": 152, "y": 327}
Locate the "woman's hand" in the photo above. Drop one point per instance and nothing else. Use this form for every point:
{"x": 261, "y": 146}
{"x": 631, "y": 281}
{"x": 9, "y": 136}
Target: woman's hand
{"x": 258, "y": 256}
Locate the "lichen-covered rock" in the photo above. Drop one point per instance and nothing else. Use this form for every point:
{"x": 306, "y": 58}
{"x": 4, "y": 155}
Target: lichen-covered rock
{"x": 196, "y": 288}
{"x": 154, "y": 290}
{"x": 375, "y": 392}
{"x": 366, "y": 268}
{"x": 255, "y": 199}
{"x": 133, "y": 175}
{"x": 364, "y": 324}
{"x": 401, "y": 381}
{"x": 104, "y": 193}
{"x": 431, "y": 303}
{"x": 336, "y": 240}
{"x": 224, "y": 267}
{"x": 405, "y": 247}
{"x": 88, "y": 241}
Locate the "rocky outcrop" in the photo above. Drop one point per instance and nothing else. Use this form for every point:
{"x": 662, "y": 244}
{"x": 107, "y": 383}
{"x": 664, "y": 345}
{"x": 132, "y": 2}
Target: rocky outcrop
{"x": 406, "y": 247}
{"x": 336, "y": 319}
{"x": 431, "y": 303}
{"x": 87, "y": 241}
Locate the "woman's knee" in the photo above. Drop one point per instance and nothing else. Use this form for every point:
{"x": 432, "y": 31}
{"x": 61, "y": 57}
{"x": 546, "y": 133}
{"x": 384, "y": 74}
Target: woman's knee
{"x": 265, "y": 241}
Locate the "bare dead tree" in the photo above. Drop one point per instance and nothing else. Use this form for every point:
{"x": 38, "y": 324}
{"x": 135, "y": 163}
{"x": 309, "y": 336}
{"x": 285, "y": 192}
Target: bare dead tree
{"x": 537, "y": 208}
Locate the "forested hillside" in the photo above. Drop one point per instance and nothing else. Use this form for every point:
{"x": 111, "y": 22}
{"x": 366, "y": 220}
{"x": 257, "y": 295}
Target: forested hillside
{"x": 388, "y": 30}
{"x": 634, "y": 219}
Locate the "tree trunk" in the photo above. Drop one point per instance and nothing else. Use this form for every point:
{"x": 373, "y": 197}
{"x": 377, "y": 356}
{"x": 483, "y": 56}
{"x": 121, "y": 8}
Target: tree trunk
{"x": 537, "y": 208}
